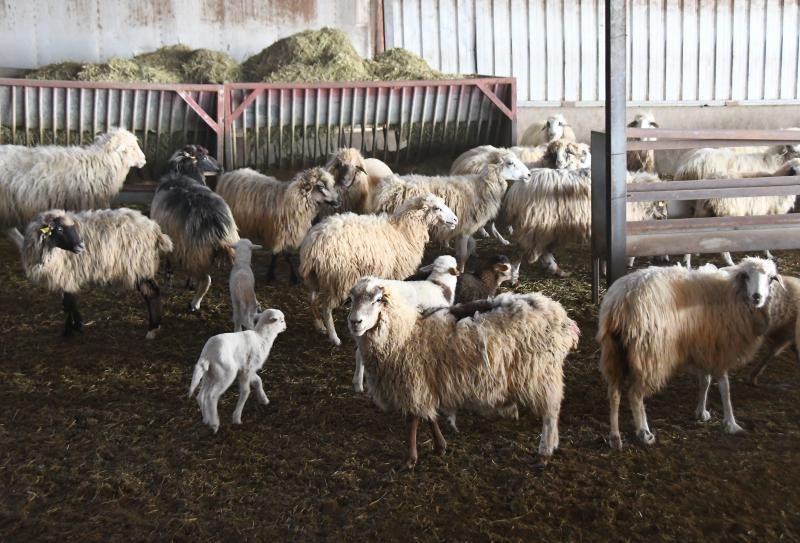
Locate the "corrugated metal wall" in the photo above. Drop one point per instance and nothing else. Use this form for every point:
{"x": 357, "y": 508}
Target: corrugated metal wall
{"x": 685, "y": 51}
{"x": 37, "y": 32}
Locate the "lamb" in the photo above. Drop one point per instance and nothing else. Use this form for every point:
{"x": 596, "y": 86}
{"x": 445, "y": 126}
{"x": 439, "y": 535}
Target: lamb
{"x": 35, "y": 179}
{"x": 485, "y": 282}
{"x": 228, "y": 356}
{"x": 555, "y": 208}
{"x": 554, "y": 128}
{"x": 435, "y": 289}
{"x": 761, "y": 205}
{"x": 198, "y": 220}
{"x": 656, "y": 321}
{"x": 67, "y": 251}
{"x": 279, "y": 213}
{"x": 784, "y": 326}
{"x": 242, "y": 285}
{"x": 642, "y": 160}
{"x": 475, "y": 198}
{"x": 510, "y": 349}
{"x": 342, "y": 248}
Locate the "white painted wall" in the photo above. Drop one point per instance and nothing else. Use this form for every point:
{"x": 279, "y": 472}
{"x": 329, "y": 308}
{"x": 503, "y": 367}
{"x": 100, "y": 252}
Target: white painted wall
{"x": 38, "y": 32}
{"x": 691, "y": 52}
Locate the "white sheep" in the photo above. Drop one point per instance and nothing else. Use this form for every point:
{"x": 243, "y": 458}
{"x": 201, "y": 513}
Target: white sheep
{"x": 554, "y": 208}
{"x": 242, "y": 285}
{"x": 278, "y": 213}
{"x": 554, "y": 128}
{"x": 783, "y": 308}
{"x": 35, "y": 179}
{"x": 644, "y": 160}
{"x": 342, "y": 248}
{"x": 198, "y": 220}
{"x": 475, "y": 198}
{"x": 67, "y": 252}
{"x": 657, "y": 321}
{"x": 228, "y": 356}
{"x": 347, "y": 166}
{"x": 436, "y": 290}
{"x": 510, "y": 349}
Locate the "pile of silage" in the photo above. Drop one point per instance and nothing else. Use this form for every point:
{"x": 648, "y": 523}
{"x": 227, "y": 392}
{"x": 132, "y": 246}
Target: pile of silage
{"x": 169, "y": 64}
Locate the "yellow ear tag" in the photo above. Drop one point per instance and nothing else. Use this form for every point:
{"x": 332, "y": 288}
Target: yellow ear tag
{"x": 46, "y": 230}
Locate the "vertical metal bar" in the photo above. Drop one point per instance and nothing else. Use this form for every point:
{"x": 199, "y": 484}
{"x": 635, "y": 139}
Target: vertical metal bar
{"x": 39, "y": 114}
{"x": 146, "y": 118}
{"x": 13, "y": 115}
{"x": 94, "y": 112}
{"x": 25, "y": 115}
{"x": 134, "y": 111}
{"x": 615, "y": 132}
{"x": 280, "y": 128}
{"x": 67, "y": 110}
{"x": 491, "y": 114}
{"x": 245, "y": 147}
{"x": 375, "y": 120}
{"x": 292, "y": 134}
{"x": 305, "y": 122}
{"x": 399, "y": 137}
{"x": 55, "y": 114}
{"x": 422, "y": 118}
{"x": 80, "y": 116}
{"x": 389, "y": 92}
{"x": 185, "y": 127}
{"x": 446, "y": 117}
{"x": 221, "y": 115}
{"x": 317, "y": 145}
{"x": 599, "y": 218}
{"x": 269, "y": 126}
{"x": 329, "y": 93}
{"x": 433, "y": 117}
{"x": 410, "y": 144}
{"x": 234, "y": 146}
{"x": 365, "y": 93}
{"x": 339, "y": 137}
{"x": 158, "y": 120}
{"x": 256, "y": 131}
{"x": 458, "y": 118}
{"x": 109, "y": 94}
{"x": 353, "y": 98}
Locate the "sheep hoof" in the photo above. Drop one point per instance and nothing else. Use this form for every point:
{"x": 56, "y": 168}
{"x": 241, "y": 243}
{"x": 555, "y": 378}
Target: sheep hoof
{"x": 734, "y": 429}
{"x": 358, "y": 387}
{"x": 615, "y": 441}
{"x": 561, "y": 273}
{"x": 542, "y": 462}
{"x": 646, "y": 436}
{"x": 214, "y": 428}
{"x": 336, "y": 341}
{"x": 320, "y": 326}
{"x": 409, "y": 464}
{"x": 703, "y": 416}
{"x": 237, "y": 420}
{"x": 151, "y": 334}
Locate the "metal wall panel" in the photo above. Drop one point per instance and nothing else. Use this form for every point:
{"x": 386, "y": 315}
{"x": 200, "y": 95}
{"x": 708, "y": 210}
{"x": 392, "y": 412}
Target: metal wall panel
{"x": 679, "y": 51}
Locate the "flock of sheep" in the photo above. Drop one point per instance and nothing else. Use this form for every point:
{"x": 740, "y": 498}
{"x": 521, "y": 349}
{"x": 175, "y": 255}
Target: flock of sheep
{"x": 430, "y": 340}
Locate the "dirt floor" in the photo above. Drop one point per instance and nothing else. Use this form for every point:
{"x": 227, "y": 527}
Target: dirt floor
{"x": 99, "y": 442}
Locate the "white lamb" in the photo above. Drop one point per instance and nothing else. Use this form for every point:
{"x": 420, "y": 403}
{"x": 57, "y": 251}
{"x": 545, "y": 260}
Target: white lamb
{"x": 226, "y": 356}
{"x": 243, "y": 286}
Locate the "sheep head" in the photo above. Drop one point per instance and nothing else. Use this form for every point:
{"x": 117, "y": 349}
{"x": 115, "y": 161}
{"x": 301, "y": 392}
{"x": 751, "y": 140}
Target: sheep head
{"x": 345, "y": 164}
{"x": 755, "y": 278}
{"x": 56, "y": 229}
{"x": 442, "y": 265}
{"x": 509, "y": 167}
{"x": 368, "y": 299}
{"x": 433, "y": 210}
{"x": 195, "y": 162}
{"x": 319, "y": 186}
{"x": 569, "y": 155}
{"x": 554, "y": 127}
{"x": 270, "y": 320}
{"x": 644, "y": 120}
{"x": 501, "y": 266}
{"x": 125, "y": 143}
{"x": 792, "y": 167}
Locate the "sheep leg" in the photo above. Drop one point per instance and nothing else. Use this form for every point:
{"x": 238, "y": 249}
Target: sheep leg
{"x": 497, "y": 235}
{"x": 462, "y": 251}
{"x": 413, "y": 425}
{"x": 762, "y": 364}
{"x": 687, "y": 261}
{"x": 704, "y": 382}
{"x": 728, "y": 420}
{"x": 614, "y": 394}
{"x": 482, "y": 232}
{"x": 271, "y": 270}
{"x": 769, "y": 255}
{"x": 15, "y": 236}
{"x": 259, "y": 384}
{"x": 515, "y": 272}
{"x": 72, "y": 320}
{"x": 203, "y": 284}
{"x": 152, "y": 297}
{"x": 551, "y": 266}
{"x": 327, "y": 316}
{"x": 727, "y": 258}
{"x": 631, "y": 262}
{"x": 636, "y": 399}
{"x": 292, "y": 273}
{"x": 244, "y": 393}
{"x": 315, "y": 314}
{"x": 358, "y": 374}
{"x": 439, "y": 444}
{"x": 547, "y": 443}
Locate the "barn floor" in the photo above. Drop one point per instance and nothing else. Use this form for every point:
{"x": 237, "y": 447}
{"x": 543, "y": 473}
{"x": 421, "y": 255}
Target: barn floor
{"x": 98, "y": 440}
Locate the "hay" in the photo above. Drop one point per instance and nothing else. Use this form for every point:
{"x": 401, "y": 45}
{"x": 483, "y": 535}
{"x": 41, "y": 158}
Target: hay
{"x": 401, "y": 64}
{"x": 207, "y": 66}
{"x": 121, "y": 69}
{"x": 64, "y": 71}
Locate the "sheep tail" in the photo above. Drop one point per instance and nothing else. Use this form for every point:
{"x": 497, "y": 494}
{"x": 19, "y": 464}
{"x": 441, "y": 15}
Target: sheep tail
{"x": 613, "y": 359}
{"x": 164, "y": 243}
{"x": 200, "y": 370}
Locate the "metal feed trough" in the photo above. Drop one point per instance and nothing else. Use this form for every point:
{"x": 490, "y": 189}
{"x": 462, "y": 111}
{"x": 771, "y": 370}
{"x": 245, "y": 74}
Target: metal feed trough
{"x": 265, "y": 126}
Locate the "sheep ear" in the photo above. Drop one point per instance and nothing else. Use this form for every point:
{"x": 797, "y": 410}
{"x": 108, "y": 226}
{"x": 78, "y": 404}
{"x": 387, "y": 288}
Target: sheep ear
{"x": 361, "y": 169}
{"x": 631, "y": 124}
{"x": 454, "y": 271}
{"x": 256, "y": 247}
{"x": 427, "y": 268}
{"x": 502, "y": 268}
{"x": 779, "y": 279}
{"x": 654, "y": 124}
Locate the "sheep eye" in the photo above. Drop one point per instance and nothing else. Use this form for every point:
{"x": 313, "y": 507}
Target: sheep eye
{"x": 773, "y": 278}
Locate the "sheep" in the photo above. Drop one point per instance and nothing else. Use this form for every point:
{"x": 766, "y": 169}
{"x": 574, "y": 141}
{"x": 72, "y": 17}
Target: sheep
{"x": 242, "y": 286}
{"x": 198, "y": 220}
{"x": 656, "y": 321}
{"x": 642, "y": 160}
{"x": 554, "y": 128}
{"x": 436, "y": 288}
{"x": 352, "y": 182}
{"x": 475, "y": 198}
{"x": 227, "y": 356}
{"x": 342, "y": 248}
{"x": 554, "y": 208}
{"x": 738, "y": 207}
{"x": 485, "y": 282}
{"x": 510, "y": 349}
{"x": 784, "y": 326}
{"x": 66, "y": 251}
{"x": 708, "y": 163}
{"x": 35, "y": 179}
{"x": 279, "y": 213}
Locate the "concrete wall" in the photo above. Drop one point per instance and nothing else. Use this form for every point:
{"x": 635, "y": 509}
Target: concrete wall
{"x": 586, "y": 119}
